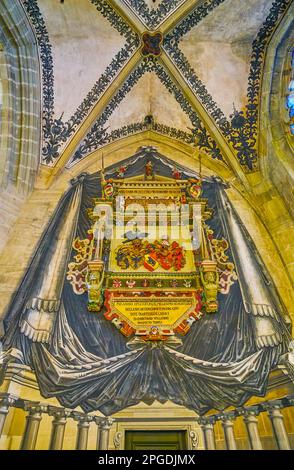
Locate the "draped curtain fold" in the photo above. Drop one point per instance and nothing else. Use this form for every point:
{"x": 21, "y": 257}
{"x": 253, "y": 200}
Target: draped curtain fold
{"x": 41, "y": 309}
{"x": 37, "y": 300}
{"x": 84, "y": 361}
{"x": 257, "y": 299}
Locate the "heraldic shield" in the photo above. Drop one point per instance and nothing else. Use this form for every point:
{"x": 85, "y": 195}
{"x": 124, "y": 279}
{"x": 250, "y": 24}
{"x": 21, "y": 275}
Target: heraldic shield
{"x": 151, "y": 264}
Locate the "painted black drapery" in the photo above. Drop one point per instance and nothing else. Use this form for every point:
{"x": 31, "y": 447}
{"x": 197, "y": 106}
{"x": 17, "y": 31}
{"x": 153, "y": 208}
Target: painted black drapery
{"x": 88, "y": 363}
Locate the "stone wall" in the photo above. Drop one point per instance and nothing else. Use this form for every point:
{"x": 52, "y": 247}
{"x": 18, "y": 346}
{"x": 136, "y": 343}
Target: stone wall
{"x": 19, "y": 113}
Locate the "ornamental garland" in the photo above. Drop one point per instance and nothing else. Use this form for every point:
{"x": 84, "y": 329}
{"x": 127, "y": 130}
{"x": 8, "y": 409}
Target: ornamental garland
{"x": 242, "y": 130}
{"x": 56, "y": 131}
{"x": 148, "y": 123}
{"x": 153, "y": 17}
{"x": 93, "y": 138}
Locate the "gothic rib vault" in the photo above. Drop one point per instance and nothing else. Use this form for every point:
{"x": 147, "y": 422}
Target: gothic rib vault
{"x": 213, "y": 76}
{"x": 201, "y": 82}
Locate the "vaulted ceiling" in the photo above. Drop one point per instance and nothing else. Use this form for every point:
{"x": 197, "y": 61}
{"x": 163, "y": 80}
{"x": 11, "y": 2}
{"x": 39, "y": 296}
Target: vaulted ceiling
{"x": 198, "y": 81}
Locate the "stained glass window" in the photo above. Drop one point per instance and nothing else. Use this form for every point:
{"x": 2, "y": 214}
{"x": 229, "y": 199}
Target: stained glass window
{"x": 290, "y": 96}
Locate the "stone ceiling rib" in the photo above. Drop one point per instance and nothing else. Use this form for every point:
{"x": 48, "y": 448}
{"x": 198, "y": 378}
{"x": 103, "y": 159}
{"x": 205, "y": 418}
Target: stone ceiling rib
{"x": 204, "y": 116}
{"x": 183, "y": 10}
{"x": 175, "y": 20}
{"x": 94, "y": 114}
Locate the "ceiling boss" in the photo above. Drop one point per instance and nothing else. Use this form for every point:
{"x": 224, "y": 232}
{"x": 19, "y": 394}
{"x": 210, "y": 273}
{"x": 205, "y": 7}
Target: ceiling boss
{"x": 151, "y": 44}
{"x": 150, "y": 262}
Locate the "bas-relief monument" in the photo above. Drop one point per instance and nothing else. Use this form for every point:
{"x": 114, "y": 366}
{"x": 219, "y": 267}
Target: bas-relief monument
{"x": 160, "y": 279}
{"x": 152, "y": 286}
{"x": 158, "y": 284}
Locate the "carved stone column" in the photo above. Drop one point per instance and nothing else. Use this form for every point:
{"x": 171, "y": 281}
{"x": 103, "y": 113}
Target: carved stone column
{"x": 33, "y": 419}
{"x": 228, "y": 427}
{"x": 97, "y": 421}
{"x": 6, "y": 400}
{"x": 250, "y": 420}
{"x": 104, "y": 426}
{"x": 207, "y": 426}
{"x": 60, "y": 416}
{"x": 82, "y": 429}
{"x": 277, "y": 420}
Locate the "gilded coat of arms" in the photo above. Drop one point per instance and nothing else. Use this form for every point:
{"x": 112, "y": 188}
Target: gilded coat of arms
{"x": 160, "y": 253}
{"x": 148, "y": 285}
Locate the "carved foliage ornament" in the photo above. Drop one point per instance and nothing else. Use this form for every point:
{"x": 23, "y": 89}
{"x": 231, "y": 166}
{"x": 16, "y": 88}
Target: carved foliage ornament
{"x": 153, "y": 17}
{"x": 242, "y": 131}
{"x": 149, "y": 64}
{"x": 55, "y": 131}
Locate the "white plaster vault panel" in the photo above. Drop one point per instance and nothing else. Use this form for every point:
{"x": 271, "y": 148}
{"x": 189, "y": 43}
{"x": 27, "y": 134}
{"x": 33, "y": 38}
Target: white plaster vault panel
{"x": 149, "y": 96}
{"x": 83, "y": 45}
{"x": 219, "y": 49}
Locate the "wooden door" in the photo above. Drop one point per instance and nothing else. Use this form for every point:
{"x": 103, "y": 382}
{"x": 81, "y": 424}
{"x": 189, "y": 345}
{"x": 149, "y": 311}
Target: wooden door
{"x": 156, "y": 440}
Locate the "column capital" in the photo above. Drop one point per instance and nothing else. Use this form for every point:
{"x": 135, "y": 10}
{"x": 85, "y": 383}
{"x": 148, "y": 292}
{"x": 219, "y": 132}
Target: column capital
{"x": 59, "y": 414}
{"x": 288, "y": 401}
{"x": 104, "y": 423}
{"x": 228, "y": 427}
{"x": 34, "y": 407}
{"x": 7, "y": 399}
{"x": 81, "y": 418}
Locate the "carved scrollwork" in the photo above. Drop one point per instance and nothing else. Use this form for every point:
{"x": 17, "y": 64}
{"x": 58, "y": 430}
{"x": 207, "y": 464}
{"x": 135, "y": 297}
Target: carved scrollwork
{"x": 194, "y": 440}
{"x": 117, "y": 440}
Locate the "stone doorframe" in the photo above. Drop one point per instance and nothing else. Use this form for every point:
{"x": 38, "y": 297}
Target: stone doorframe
{"x": 152, "y": 424}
